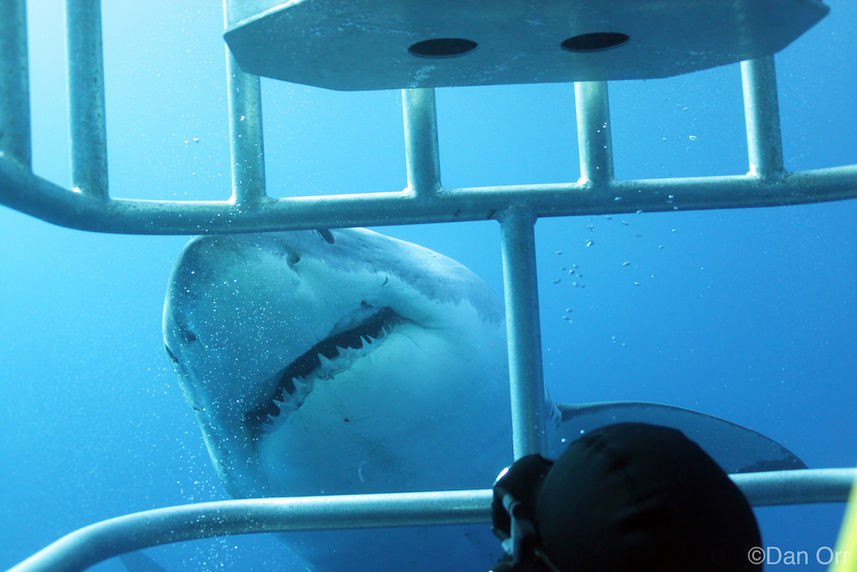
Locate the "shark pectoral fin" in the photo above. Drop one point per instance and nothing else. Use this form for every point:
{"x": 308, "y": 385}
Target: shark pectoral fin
{"x": 735, "y": 448}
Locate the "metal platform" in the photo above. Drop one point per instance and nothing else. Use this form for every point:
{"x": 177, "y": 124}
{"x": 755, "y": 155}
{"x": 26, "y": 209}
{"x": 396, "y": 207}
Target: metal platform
{"x": 371, "y": 44}
{"x": 659, "y": 42}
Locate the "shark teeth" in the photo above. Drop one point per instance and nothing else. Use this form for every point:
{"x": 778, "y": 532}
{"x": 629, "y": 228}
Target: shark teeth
{"x": 294, "y": 390}
{"x": 330, "y": 367}
{"x": 287, "y": 402}
{"x": 326, "y": 367}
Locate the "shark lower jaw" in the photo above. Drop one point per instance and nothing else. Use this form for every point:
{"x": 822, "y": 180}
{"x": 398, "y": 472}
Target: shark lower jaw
{"x": 351, "y": 339}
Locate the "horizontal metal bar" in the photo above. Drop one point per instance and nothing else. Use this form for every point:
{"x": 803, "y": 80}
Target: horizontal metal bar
{"x": 100, "y": 541}
{"x": 796, "y": 487}
{"x": 163, "y": 217}
{"x": 15, "y": 139}
{"x": 88, "y": 132}
{"x": 30, "y": 194}
{"x": 106, "y": 539}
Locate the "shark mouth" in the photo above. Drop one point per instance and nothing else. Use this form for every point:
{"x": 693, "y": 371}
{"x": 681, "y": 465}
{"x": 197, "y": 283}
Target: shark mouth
{"x": 350, "y": 340}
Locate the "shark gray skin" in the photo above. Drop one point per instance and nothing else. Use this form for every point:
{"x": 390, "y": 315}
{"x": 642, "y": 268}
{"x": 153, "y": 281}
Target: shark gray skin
{"x": 346, "y": 361}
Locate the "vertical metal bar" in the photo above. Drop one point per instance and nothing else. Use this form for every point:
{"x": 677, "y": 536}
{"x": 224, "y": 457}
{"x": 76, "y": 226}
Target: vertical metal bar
{"x": 593, "y": 131}
{"x": 246, "y": 137}
{"x": 523, "y": 331}
{"x": 246, "y": 140}
{"x": 421, "y": 147}
{"x": 15, "y": 138}
{"x": 762, "y": 117}
{"x": 86, "y": 97}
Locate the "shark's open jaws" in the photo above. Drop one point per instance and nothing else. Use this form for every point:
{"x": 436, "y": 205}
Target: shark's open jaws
{"x": 322, "y": 362}
{"x": 363, "y": 332}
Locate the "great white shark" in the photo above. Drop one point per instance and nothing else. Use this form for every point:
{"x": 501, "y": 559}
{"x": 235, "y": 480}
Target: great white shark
{"x": 347, "y": 361}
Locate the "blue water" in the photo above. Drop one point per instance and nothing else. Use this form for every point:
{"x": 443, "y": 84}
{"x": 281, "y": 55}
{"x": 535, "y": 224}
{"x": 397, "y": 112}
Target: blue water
{"x": 744, "y": 314}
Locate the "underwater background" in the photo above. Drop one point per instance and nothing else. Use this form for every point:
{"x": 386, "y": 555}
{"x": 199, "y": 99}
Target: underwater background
{"x": 745, "y": 314}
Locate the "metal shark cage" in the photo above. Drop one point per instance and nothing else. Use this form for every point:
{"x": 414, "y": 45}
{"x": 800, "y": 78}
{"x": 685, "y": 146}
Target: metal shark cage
{"x": 304, "y": 42}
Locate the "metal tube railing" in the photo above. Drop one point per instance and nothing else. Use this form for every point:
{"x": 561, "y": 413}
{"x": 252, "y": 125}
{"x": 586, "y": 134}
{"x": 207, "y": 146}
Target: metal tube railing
{"x": 593, "y": 131}
{"x": 523, "y": 332}
{"x": 762, "y": 118}
{"x": 100, "y": 541}
{"x": 422, "y": 158}
{"x": 796, "y": 487}
{"x": 25, "y": 192}
{"x": 15, "y": 138}
{"x": 246, "y": 142}
{"x": 88, "y": 133}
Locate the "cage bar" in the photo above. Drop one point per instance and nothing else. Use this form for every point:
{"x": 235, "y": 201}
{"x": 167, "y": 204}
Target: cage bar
{"x": 33, "y": 195}
{"x": 15, "y": 139}
{"x": 593, "y": 131}
{"x": 98, "y": 542}
{"x": 246, "y": 142}
{"x": 796, "y": 487}
{"x": 762, "y": 118}
{"x": 87, "y": 116}
{"x": 421, "y": 147}
{"x": 523, "y": 332}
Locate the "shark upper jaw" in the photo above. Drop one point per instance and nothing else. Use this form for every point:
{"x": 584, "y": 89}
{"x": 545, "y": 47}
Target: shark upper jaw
{"x": 351, "y": 339}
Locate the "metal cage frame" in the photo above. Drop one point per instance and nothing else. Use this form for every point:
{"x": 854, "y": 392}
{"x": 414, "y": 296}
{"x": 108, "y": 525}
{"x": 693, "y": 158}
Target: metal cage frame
{"x": 87, "y": 205}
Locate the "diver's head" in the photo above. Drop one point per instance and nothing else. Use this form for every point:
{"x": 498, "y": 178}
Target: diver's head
{"x": 626, "y": 497}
